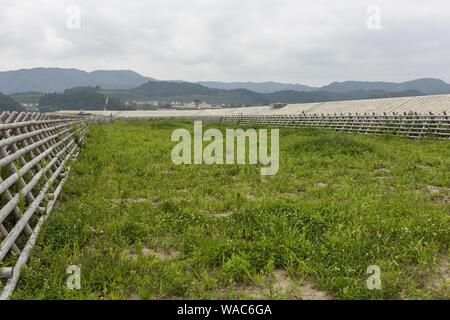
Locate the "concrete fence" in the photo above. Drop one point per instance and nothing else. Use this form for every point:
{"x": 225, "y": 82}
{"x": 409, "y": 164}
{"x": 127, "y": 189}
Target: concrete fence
{"x": 409, "y": 125}
{"x": 35, "y": 154}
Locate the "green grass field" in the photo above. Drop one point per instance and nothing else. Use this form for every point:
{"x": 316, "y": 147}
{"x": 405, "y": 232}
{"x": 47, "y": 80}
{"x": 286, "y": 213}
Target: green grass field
{"x": 141, "y": 227}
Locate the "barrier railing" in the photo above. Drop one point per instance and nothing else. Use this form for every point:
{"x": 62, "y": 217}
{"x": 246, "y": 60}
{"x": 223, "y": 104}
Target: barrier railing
{"x": 35, "y": 152}
{"x": 410, "y": 125}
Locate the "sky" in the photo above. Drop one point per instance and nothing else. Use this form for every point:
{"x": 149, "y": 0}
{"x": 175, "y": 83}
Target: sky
{"x": 309, "y": 42}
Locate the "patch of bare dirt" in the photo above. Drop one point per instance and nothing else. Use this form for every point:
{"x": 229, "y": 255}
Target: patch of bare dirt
{"x": 154, "y": 203}
{"x": 290, "y": 193}
{"x": 433, "y": 189}
{"x": 309, "y": 291}
{"x": 248, "y": 291}
{"x": 57, "y": 204}
{"x": 134, "y": 296}
{"x": 138, "y": 200}
{"x": 130, "y": 200}
{"x": 211, "y": 197}
{"x": 280, "y": 284}
{"x": 250, "y": 197}
{"x": 162, "y": 254}
{"x": 424, "y": 166}
{"x": 281, "y": 281}
{"x": 384, "y": 170}
{"x": 439, "y": 283}
{"x": 321, "y": 185}
{"x": 159, "y": 253}
{"x": 380, "y": 174}
{"x": 435, "y": 192}
{"x": 222, "y": 214}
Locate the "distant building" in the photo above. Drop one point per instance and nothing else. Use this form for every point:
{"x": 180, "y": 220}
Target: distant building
{"x": 146, "y": 103}
{"x": 194, "y": 106}
{"x": 30, "y": 106}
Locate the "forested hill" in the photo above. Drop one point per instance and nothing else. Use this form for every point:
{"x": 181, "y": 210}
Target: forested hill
{"x": 424, "y": 85}
{"x": 9, "y": 104}
{"x": 187, "y": 92}
{"x": 58, "y": 79}
{"x": 170, "y": 89}
{"x": 78, "y": 98}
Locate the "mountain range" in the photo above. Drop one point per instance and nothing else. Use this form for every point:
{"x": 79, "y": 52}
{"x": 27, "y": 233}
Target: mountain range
{"x": 58, "y": 80}
{"x": 424, "y": 85}
{"x": 260, "y": 87}
{"x": 166, "y": 91}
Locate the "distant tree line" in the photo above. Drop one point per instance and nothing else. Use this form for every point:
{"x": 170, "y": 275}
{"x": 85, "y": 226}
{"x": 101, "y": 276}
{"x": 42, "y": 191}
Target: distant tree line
{"x": 188, "y": 92}
{"x": 87, "y": 98}
{"x": 9, "y": 104}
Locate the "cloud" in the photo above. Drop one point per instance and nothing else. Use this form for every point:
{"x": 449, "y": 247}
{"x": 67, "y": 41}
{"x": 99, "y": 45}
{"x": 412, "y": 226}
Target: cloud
{"x": 258, "y": 40}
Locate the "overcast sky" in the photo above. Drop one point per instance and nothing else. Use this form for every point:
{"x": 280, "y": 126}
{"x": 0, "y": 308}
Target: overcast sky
{"x": 310, "y": 42}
